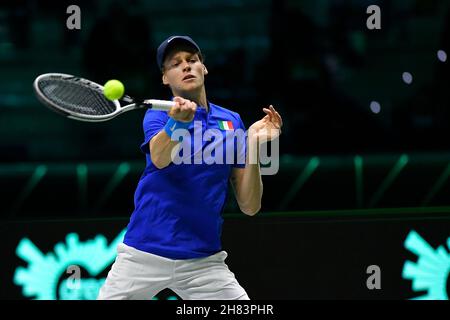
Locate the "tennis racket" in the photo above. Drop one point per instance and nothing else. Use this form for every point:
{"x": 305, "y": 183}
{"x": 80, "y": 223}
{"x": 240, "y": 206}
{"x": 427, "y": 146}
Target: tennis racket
{"x": 81, "y": 99}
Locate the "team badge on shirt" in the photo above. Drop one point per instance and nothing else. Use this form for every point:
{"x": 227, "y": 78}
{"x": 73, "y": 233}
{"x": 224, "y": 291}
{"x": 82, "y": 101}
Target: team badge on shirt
{"x": 225, "y": 125}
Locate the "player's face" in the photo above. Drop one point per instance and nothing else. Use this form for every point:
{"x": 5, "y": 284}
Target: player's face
{"x": 184, "y": 71}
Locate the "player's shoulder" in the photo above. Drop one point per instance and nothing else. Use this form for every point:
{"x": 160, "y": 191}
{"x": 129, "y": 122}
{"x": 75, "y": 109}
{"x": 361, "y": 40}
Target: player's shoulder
{"x": 225, "y": 112}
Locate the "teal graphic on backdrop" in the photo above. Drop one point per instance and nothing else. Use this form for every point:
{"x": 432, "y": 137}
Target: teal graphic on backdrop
{"x": 42, "y": 279}
{"x": 431, "y": 271}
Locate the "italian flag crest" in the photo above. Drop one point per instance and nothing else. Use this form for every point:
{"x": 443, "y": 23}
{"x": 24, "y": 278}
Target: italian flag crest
{"x": 226, "y": 125}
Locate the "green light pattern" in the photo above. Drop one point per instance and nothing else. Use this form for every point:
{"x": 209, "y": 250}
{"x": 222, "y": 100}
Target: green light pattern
{"x": 38, "y": 174}
{"x": 432, "y": 269}
{"x": 300, "y": 181}
{"x": 358, "y": 161}
{"x": 122, "y": 170}
{"x": 392, "y": 175}
{"x": 437, "y": 186}
{"x": 82, "y": 175}
{"x": 40, "y": 279}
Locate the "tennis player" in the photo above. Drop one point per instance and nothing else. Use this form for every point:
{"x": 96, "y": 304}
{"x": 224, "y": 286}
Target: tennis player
{"x": 173, "y": 239}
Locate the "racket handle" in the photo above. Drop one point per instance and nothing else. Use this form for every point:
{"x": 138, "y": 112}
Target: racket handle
{"x": 163, "y": 105}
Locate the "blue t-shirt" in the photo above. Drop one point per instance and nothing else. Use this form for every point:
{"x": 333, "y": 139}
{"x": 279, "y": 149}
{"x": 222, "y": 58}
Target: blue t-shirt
{"x": 178, "y": 208}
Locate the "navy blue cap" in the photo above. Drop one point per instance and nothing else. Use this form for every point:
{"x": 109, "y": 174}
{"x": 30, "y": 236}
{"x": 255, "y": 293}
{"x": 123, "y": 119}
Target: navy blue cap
{"x": 162, "y": 49}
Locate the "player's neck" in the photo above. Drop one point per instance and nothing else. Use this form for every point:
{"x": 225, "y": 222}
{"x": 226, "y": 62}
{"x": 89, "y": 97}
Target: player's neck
{"x": 202, "y": 99}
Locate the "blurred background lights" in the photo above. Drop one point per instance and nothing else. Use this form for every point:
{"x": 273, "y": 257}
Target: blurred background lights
{"x": 442, "y": 55}
{"x": 375, "y": 107}
{"x": 407, "y": 77}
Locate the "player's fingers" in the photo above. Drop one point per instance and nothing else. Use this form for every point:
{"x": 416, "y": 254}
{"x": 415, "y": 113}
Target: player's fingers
{"x": 175, "y": 109}
{"x": 269, "y": 113}
{"x": 188, "y": 110}
{"x": 180, "y": 100}
{"x": 271, "y": 107}
{"x": 281, "y": 121}
{"x": 176, "y": 100}
{"x": 184, "y": 108}
{"x": 278, "y": 117}
{"x": 191, "y": 106}
{"x": 183, "y": 104}
{"x": 274, "y": 112}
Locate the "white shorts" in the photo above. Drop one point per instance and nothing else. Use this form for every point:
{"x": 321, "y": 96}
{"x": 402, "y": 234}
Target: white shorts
{"x": 139, "y": 275}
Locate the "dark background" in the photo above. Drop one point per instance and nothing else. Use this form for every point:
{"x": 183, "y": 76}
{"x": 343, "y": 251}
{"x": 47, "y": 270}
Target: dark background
{"x": 273, "y": 258}
{"x": 315, "y": 61}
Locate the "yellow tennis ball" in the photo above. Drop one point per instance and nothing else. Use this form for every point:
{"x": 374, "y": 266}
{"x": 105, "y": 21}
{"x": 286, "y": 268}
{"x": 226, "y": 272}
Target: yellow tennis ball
{"x": 113, "y": 89}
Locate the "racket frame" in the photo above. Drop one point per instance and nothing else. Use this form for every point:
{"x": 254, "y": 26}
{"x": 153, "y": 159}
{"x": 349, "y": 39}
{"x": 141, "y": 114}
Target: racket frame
{"x": 131, "y": 103}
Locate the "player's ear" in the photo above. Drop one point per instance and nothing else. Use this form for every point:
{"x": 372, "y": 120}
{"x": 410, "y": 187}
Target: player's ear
{"x": 205, "y": 70}
{"x": 164, "y": 79}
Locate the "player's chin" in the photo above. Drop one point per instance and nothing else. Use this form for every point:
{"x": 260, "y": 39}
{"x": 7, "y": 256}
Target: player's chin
{"x": 190, "y": 85}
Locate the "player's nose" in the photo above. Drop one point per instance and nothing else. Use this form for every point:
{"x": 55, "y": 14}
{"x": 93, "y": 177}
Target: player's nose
{"x": 186, "y": 66}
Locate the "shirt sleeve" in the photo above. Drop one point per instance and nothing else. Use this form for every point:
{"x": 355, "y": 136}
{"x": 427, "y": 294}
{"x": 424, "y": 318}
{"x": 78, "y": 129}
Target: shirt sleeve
{"x": 241, "y": 146}
{"x": 154, "y": 122}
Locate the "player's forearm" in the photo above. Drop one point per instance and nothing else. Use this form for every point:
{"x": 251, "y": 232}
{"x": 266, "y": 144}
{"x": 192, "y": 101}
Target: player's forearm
{"x": 251, "y": 186}
{"x": 161, "y": 147}
{"x": 251, "y": 190}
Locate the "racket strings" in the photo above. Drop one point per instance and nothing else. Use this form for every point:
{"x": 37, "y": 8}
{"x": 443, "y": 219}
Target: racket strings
{"x": 76, "y": 97}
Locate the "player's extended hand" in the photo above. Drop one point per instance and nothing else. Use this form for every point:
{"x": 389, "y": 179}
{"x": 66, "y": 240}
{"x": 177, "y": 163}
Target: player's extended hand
{"x": 268, "y": 128}
{"x": 184, "y": 110}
